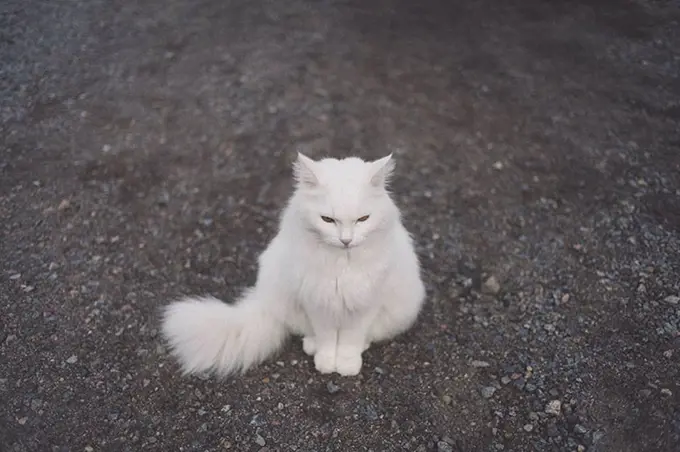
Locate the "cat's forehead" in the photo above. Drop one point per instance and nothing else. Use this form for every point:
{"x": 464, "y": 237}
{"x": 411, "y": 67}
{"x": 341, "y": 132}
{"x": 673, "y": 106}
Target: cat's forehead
{"x": 348, "y": 171}
{"x": 346, "y": 185}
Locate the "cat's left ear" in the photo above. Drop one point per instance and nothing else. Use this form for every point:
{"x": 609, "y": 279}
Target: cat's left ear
{"x": 303, "y": 171}
{"x": 382, "y": 171}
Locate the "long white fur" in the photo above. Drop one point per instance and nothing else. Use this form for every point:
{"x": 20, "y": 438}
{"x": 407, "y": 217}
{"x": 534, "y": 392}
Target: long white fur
{"x": 339, "y": 298}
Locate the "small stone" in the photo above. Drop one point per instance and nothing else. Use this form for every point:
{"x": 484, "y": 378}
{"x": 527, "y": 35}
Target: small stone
{"x": 491, "y": 286}
{"x": 528, "y": 427}
{"x": 443, "y": 446}
{"x": 645, "y": 393}
{"x": 64, "y": 204}
{"x": 565, "y": 298}
{"x": 448, "y": 440}
{"x": 580, "y": 448}
{"x": 332, "y": 388}
{"x": 477, "y": 363}
{"x": 505, "y": 380}
{"x": 106, "y": 148}
{"x": 498, "y": 165}
{"x": 36, "y": 404}
{"x": 488, "y": 392}
{"x": 549, "y": 327}
{"x": 15, "y": 276}
{"x": 89, "y": 449}
{"x": 668, "y": 353}
{"x": 554, "y": 407}
{"x": 533, "y": 416}
{"x": 666, "y": 392}
{"x": 226, "y": 408}
{"x": 72, "y": 359}
{"x": 672, "y": 299}
{"x": 447, "y": 399}
{"x": 581, "y": 430}
{"x": 379, "y": 370}
{"x": 259, "y": 440}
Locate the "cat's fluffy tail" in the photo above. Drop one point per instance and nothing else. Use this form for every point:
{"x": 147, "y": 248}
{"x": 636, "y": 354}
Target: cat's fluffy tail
{"x": 206, "y": 334}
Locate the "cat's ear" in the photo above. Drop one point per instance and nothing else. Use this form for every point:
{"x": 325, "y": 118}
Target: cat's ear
{"x": 304, "y": 172}
{"x": 382, "y": 171}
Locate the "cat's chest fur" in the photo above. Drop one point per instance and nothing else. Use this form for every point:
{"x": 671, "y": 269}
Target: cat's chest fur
{"x": 343, "y": 283}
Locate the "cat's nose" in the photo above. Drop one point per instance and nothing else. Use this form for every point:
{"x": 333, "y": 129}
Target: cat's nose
{"x": 346, "y": 242}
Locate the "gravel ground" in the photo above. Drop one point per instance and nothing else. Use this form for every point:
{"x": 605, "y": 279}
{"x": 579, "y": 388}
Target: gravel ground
{"x": 145, "y": 155}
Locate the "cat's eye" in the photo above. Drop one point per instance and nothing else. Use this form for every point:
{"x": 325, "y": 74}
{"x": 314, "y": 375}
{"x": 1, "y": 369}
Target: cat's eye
{"x": 327, "y": 219}
{"x": 362, "y": 219}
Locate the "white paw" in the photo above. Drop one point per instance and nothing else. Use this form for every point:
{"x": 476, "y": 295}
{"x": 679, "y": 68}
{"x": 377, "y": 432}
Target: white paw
{"x": 348, "y": 362}
{"x": 324, "y": 361}
{"x": 309, "y": 345}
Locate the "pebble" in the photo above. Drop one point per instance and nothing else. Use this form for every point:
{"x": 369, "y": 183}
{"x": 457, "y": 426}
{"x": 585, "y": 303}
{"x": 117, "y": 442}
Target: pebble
{"x": 332, "y": 388}
{"x": 581, "y": 448}
{"x": 491, "y": 286}
{"x": 89, "y": 449}
{"x": 554, "y": 407}
{"x": 72, "y": 359}
{"x": 645, "y": 393}
{"x": 581, "y": 430}
{"x": 447, "y": 399}
{"x": 477, "y": 363}
{"x": 64, "y": 204}
{"x": 22, "y": 421}
{"x": 488, "y": 392}
{"x": 259, "y": 440}
{"x": 36, "y": 404}
{"x": 528, "y": 427}
{"x": 672, "y": 299}
{"x": 505, "y": 380}
{"x": 666, "y": 392}
{"x": 443, "y": 446}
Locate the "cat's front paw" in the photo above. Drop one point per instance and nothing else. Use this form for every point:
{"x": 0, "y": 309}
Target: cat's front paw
{"x": 324, "y": 361}
{"x": 309, "y": 345}
{"x": 348, "y": 362}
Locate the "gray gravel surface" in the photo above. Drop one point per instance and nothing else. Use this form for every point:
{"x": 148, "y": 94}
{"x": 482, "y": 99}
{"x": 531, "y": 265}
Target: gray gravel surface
{"x": 145, "y": 155}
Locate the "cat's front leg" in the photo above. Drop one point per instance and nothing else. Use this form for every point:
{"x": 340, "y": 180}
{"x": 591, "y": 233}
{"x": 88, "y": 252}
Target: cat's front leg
{"x": 352, "y": 342}
{"x": 324, "y": 343}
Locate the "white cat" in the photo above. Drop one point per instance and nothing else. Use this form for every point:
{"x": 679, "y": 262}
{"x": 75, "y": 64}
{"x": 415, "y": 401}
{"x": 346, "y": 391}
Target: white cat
{"x": 341, "y": 272}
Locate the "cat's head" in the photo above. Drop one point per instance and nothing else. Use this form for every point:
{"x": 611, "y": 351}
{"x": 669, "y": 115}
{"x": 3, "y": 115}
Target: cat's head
{"x": 345, "y": 202}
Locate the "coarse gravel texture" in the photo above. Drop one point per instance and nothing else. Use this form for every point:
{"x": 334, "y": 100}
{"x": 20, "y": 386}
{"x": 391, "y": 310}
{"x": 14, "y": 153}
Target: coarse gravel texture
{"x": 146, "y": 149}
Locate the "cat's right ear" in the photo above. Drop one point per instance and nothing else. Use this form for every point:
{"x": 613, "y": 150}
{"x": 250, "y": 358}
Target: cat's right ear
{"x": 303, "y": 171}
